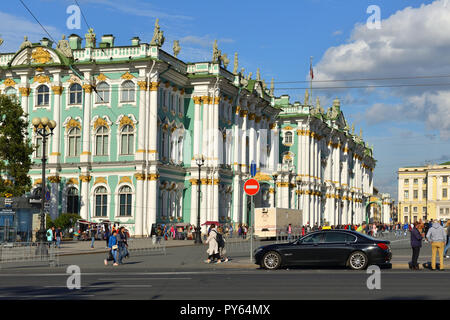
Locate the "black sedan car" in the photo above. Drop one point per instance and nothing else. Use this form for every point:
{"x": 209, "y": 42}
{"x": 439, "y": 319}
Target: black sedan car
{"x": 327, "y": 248}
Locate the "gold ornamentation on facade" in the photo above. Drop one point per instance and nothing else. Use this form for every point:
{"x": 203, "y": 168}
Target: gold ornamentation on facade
{"x": 243, "y": 113}
{"x": 73, "y": 123}
{"x": 73, "y": 79}
{"x": 101, "y": 77}
{"x": 24, "y": 91}
{"x": 87, "y": 88}
{"x": 125, "y": 180}
{"x": 100, "y": 122}
{"x": 197, "y": 100}
{"x": 9, "y": 82}
{"x": 99, "y": 180}
{"x": 153, "y": 176}
{"x": 182, "y": 91}
{"x": 37, "y": 181}
{"x": 154, "y": 86}
{"x": 142, "y": 85}
{"x": 127, "y": 76}
{"x": 210, "y": 100}
{"x": 124, "y": 121}
{"x": 287, "y": 128}
{"x": 165, "y": 127}
{"x": 139, "y": 176}
{"x": 54, "y": 179}
{"x": 84, "y": 178}
{"x": 216, "y": 100}
{"x": 205, "y": 99}
{"x": 251, "y": 116}
{"x": 174, "y": 88}
{"x": 57, "y": 90}
{"x": 40, "y": 55}
{"x": 258, "y": 119}
{"x": 238, "y": 109}
{"x": 194, "y": 182}
{"x": 72, "y": 181}
{"x": 41, "y": 79}
{"x": 271, "y": 190}
{"x": 272, "y": 125}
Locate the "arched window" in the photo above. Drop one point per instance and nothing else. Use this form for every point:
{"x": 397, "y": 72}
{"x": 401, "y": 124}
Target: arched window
{"x": 101, "y": 141}
{"x": 127, "y": 140}
{"x": 43, "y": 96}
{"x": 75, "y": 94}
{"x": 127, "y": 91}
{"x": 288, "y": 138}
{"x": 74, "y": 139}
{"x": 125, "y": 199}
{"x": 11, "y": 92}
{"x": 38, "y": 152}
{"x": 73, "y": 201}
{"x": 102, "y": 93}
{"x": 101, "y": 202}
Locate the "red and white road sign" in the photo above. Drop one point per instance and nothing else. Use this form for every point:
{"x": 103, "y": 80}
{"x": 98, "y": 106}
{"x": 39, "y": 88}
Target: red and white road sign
{"x": 251, "y": 187}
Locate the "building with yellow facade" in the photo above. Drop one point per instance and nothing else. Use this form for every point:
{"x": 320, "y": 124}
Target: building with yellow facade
{"x": 423, "y": 193}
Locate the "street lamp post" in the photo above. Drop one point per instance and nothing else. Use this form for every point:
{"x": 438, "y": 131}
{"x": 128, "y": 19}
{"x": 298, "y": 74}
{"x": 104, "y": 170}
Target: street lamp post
{"x": 299, "y": 182}
{"x": 42, "y": 125}
{"x": 198, "y": 236}
{"x": 275, "y": 176}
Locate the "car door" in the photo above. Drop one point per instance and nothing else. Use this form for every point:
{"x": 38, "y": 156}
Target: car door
{"x": 304, "y": 251}
{"x": 335, "y": 248}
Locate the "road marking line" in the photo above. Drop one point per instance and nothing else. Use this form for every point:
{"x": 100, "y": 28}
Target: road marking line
{"x": 108, "y": 286}
{"x": 137, "y": 279}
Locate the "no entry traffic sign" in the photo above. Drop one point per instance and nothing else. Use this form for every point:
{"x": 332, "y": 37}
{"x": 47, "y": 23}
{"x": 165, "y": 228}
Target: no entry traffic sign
{"x": 251, "y": 187}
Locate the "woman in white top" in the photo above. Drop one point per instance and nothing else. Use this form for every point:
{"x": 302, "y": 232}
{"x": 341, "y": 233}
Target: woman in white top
{"x": 213, "y": 249}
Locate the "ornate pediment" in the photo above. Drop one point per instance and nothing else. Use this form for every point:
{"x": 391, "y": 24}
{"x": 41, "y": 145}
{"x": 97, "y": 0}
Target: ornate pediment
{"x": 35, "y": 55}
{"x": 40, "y": 56}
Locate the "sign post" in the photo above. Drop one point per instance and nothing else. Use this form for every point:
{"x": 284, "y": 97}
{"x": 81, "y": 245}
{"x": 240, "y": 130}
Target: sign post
{"x": 251, "y": 187}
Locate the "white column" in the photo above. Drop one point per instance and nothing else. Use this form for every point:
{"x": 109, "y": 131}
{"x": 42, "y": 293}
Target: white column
{"x": 85, "y": 199}
{"x": 244, "y": 163}
{"x": 258, "y": 142}
{"x": 197, "y": 126}
{"x": 141, "y": 147}
{"x": 55, "y": 139}
{"x": 194, "y": 200}
{"x": 252, "y": 138}
{"x": 86, "y": 143}
{"x": 138, "y": 225}
{"x": 152, "y": 132}
{"x": 237, "y": 192}
{"x": 152, "y": 202}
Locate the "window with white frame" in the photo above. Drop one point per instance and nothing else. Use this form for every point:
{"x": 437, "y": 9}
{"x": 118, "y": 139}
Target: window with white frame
{"x": 73, "y": 201}
{"x": 444, "y": 193}
{"x": 75, "y": 94}
{"x": 288, "y": 137}
{"x": 125, "y": 200}
{"x": 405, "y": 209}
{"x": 74, "y": 142}
{"x": 43, "y": 95}
{"x": 127, "y": 140}
{"x": 444, "y": 179}
{"x": 101, "y": 141}
{"x": 101, "y": 202}
{"x": 406, "y": 194}
{"x": 128, "y": 92}
{"x": 102, "y": 95}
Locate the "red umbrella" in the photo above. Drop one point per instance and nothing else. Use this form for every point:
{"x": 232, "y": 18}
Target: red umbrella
{"x": 208, "y": 223}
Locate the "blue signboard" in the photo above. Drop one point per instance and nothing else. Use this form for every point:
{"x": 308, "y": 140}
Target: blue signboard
{"x": 253, "y": 168}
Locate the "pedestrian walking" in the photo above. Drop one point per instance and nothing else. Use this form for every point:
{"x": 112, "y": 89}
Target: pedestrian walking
{"x": 122, "y": 244}
{"x": 447, "y": 246}
{"x": 50, "y": 236}
{"x": 222, "y": 247}
{"x": 113, "y": 248}
{"x": 106, "y": 236}
{"x": 58, "y": 234}
{"x": 213, "y": 249}
{"x": 289, "y": 232}
{"x": 416, "y": 244}
{"x": 437, "y": 236}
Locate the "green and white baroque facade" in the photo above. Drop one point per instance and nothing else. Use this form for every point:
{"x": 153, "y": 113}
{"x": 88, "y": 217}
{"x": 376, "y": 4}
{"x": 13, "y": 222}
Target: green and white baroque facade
{"x": 131, "y": 121}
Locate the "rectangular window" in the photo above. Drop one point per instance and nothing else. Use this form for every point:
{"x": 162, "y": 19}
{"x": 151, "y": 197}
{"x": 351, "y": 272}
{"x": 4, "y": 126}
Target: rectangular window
{"x": 447, "y": 210}
{"x": 444, "y": 179}
{"x": 444, "y": 193}
{"x": 416, "y": 194}
{"x": 125, "y": 205}
{"x": 406, "y": 181}
{"x": 441, "y": 210}
{"x": 406, "y": 194}
{"x": 424, "y": 209}
{"x": 405, "y": 220}
{"x": 415, "y": 181}
{"x": 405, "y": 209}
{"x": 75, "y": 97}
{"x": 424, "y": 194}
{"x": 414, "y": 209}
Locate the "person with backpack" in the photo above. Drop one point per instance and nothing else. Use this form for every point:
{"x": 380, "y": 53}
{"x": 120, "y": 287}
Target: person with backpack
{"x": 122, "y": 244}
{"x": 113, "y": 248}
{"x": 50, "y": 236}
{"x": 213, "y": 249}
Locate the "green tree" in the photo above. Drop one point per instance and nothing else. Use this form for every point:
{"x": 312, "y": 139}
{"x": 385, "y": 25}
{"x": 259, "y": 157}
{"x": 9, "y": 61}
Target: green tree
{"x": 15, "y": 148}
{"x": 66, "y": 220}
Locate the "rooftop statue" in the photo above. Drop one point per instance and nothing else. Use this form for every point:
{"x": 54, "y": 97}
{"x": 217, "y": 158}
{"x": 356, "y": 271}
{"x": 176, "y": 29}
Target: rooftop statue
{"x": 258, "y": 75}
{"x": 249, "y": 75}
{"x": 90, "y": 38}
{"x": 64, "y": 47}
{"x": 353, "y": 129}
{"x": 272, "y": 87}
{"x": 216, "y": 53}
{"x": 235, "y": 68}
{"x": 25, "y": 43}
{"x": 176, "y": 48}
{"x": 158, "y": 35}
{"x": 225, "y": 60}
{"x": 242, "y": 71}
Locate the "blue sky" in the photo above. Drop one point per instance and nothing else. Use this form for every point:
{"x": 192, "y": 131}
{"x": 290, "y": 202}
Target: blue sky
{"x": 406, "y": 125}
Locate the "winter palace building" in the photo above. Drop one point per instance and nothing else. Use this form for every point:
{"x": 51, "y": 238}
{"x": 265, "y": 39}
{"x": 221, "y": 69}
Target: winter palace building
{"x": 133, "y": 120}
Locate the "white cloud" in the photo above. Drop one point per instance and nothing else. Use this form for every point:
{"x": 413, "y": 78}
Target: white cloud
{"x": 411, "y": 42}
{"x": 13, "y": 37}
{"x": 337, "y": 33}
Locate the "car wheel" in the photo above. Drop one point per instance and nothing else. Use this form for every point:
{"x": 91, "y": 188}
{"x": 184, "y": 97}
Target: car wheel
{"x": 358, "y": 260}
{"x": 271, "y": 260}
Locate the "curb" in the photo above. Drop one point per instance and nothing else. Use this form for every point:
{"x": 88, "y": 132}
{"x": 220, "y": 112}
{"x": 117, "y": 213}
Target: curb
{"x": 240, "y": 265}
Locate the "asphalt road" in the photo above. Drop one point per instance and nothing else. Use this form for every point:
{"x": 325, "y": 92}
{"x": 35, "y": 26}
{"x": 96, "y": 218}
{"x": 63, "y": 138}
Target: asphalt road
{"x": 181, "y": 274}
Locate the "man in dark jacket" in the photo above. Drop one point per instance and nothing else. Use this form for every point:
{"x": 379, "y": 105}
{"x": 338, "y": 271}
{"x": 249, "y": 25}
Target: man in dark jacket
{"x": 416, "y": 244}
